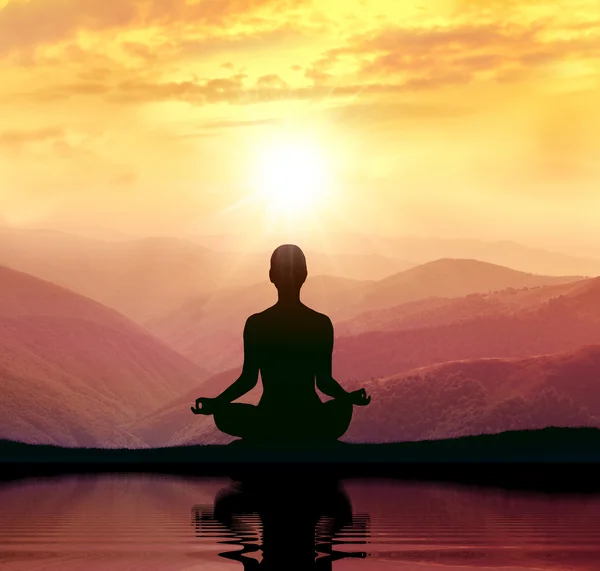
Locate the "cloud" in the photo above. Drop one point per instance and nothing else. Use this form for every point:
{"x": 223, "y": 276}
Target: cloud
{"x": 48, "y": 142}
{"x": 392, "y": 111}
{"x": 64, "y": 92}
{"x": 210, "y": 128}
{"x": 235, "y": 91}
{"x": 458, "y": 53}
{"x": 125, "y": 179}
{"x": 219, "y": 90}
{"x": 270, "y": 81}
{"x": 266, "y": 37}
{"x": 586, "y": 26}
{"x": 229, "y": 124}
{"x": 27, "y": 24}
{"x": 139, "y": 50}
{"x": 17, "y": 139}
{"x": 389, "y": 60}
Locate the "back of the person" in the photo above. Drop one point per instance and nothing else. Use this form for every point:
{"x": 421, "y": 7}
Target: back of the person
{"x": 291, "y": 347}
{"x": 289, "y": 342}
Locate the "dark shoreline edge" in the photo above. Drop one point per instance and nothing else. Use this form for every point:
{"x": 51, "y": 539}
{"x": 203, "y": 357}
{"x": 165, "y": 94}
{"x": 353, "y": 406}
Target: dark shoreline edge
{"x": 551, "y": 460}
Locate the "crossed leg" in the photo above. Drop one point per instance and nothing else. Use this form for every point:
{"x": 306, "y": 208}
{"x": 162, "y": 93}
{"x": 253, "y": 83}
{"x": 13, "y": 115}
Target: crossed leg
{"x": 328, "y": 422}
{"x": 237, "y": 419}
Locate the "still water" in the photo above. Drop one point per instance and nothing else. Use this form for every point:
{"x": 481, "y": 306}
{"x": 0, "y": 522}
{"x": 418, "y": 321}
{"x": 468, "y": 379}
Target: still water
{"x": 130, "y": 522}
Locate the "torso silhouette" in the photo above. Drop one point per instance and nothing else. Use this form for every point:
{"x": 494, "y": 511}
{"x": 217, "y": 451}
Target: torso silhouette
{"x": 289, "y": 344}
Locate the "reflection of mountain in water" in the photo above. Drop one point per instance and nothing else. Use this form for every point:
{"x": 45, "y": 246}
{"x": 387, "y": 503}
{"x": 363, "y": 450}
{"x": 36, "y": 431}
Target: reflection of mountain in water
{"x": 293, "y": 523}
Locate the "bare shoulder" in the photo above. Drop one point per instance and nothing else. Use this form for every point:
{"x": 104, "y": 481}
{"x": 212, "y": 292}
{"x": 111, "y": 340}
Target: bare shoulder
{"x": 253, "y": 321}
{"x": 261, "y": 319}
{"x": 320, "y": 319}
{"x": 261, "y": 316}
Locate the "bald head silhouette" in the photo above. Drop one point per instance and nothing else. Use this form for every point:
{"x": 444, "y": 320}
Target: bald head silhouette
{"x": 288, "y": 268}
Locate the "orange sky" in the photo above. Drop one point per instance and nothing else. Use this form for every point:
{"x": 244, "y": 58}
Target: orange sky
{"x": 453, "y": 118}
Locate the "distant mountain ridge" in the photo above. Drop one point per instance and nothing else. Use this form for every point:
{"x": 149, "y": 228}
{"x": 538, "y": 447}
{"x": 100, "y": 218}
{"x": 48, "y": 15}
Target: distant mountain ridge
{"x": 22, "y": 294}
{"x": 435, "y": 311}
{"x": 146, "y": 278}
{"x": 516, "y": 324}
{"x": 451, "y": 278}
{"x": 448, "y": 400}
{"x": 483, "y": 396}
{"x": 209, "y": 331}
{"x": 138, "y": 278}
{"x": 561, "y": 323}
{"x": 73, "y": 372}
{"x": 501, "y": 252}
{"x": 420, "y": 250}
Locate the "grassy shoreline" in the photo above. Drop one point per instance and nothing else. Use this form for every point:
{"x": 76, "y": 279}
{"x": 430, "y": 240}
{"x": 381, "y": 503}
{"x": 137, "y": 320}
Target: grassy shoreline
{"x": 552, "y": 445}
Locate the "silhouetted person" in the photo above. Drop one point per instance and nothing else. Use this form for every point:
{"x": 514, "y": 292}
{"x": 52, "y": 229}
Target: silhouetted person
{"x": 291, "y": 346}
{"x": 299, "y": 519}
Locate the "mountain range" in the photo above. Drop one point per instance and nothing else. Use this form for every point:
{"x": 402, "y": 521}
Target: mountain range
{"x": 483, "y": 396}
{"x": 208, "y": 331}
{"x": 146, "y": 278}
{"x": 476, "y": 328}
{"x": 418, "y": 250}
{"x": 73, "y": 372}
{"x": 449, "y": 400}
{"x": 560, "y": 323}
{"x": 108, "y": 343}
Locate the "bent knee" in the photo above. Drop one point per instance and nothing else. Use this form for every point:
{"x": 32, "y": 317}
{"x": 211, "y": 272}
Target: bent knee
{"x": 226, "y": 423}
{"x": 340, "y": 407}
{"x": 235, "y": 419}
{"x": 220, "y": 421}
{"x": 338, "y": 415}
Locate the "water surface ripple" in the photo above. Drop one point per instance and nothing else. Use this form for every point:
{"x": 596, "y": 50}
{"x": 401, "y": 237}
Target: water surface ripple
{"x": 129, "y": 522}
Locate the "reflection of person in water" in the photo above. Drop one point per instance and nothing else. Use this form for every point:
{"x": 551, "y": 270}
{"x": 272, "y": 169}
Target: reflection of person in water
{"x": 291, "y": 345}
{"x": 299, "y": 523}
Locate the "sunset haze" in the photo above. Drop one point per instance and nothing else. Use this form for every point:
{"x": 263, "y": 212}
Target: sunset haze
{"x": 449, "y": 118}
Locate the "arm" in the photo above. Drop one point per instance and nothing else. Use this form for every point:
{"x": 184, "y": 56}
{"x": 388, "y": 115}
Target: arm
{"x": 325, "y": 381}
{"x": 249, "y": 377}
{"x": 245, "y": 383}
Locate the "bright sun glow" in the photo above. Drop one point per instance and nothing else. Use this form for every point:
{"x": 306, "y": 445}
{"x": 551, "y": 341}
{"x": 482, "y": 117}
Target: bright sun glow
{"x": 293, "y": 176}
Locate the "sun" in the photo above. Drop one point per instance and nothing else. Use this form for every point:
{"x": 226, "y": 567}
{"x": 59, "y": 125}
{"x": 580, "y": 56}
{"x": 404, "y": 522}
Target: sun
{"x": 292, "y": 176}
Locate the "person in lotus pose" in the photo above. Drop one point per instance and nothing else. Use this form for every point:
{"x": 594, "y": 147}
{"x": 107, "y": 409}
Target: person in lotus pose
{"x": 291, "y": 346}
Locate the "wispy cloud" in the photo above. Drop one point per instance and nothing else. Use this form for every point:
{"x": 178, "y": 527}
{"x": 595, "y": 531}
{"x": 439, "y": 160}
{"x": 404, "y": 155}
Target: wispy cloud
{"x": 37, "y": 22}
{"x": 17, "y": 139}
